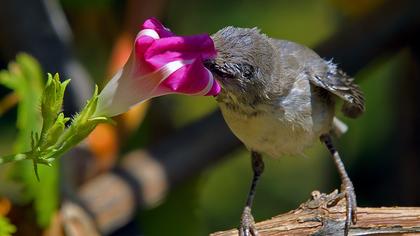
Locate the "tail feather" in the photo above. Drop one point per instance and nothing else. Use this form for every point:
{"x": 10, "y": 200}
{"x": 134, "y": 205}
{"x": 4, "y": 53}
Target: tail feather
{"x": 338, "y": 127}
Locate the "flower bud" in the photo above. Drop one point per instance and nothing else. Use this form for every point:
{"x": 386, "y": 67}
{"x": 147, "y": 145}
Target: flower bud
{"x": 52, "y": 100}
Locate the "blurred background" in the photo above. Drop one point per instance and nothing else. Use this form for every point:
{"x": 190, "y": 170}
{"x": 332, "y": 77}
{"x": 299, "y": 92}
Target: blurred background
{"x": 206, "y": 172}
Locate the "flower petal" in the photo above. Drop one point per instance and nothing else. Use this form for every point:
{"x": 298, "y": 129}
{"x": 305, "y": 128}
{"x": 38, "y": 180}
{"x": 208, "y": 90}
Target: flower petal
{"x": 154, "y": 24}
{"x": 184, "y": 80}
{"x": 161, "y": 63}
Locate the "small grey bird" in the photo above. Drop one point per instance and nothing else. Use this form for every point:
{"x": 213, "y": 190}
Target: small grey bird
{"x": 278, "y": 97}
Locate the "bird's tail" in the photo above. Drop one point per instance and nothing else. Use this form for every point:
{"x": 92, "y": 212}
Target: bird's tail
{"x": 338, "y": 127}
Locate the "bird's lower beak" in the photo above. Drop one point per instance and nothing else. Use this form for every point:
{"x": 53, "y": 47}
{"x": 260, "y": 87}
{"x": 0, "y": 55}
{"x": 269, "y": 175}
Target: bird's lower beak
{"x": 209, "y": 64}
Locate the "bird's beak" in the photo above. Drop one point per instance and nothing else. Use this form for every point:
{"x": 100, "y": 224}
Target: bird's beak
{"x": 209, "y": 64}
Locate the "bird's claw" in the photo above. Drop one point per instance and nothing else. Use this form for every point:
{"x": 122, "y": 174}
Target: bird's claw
{"x": 351, "y": 205}
{"x": 247, "y": 227}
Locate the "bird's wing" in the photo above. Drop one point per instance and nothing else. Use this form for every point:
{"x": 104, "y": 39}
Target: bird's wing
{"x": 323, "y": 74}
{"x": 342, "y": 85}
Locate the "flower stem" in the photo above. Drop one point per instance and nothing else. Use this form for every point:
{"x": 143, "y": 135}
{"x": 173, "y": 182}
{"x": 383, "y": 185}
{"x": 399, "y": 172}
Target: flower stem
{"x": 12, "y": 158}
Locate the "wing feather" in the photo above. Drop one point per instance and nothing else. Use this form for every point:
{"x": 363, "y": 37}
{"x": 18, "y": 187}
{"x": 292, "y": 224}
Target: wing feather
{"x": 323, "y": 74}
{"x": 342, "y": 85}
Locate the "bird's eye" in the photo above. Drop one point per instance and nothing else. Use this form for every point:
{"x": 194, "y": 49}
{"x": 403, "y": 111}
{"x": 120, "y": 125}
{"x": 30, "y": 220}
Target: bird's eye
{"x": 247, "y": 73}
{"x": 247, "y": 70}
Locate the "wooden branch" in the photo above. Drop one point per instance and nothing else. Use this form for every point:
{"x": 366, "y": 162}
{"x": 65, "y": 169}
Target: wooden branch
{"x": 324, "y": 214}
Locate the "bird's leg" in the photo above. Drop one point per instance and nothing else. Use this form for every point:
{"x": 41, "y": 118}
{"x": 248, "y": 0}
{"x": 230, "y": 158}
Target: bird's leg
{"x": 346, "y": 184}
{"x": 247, "y": 227}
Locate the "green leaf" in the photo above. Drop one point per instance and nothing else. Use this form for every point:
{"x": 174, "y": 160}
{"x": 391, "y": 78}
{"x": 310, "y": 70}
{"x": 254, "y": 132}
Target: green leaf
{"x": 6, "y": 228}
{"x": 81, "y": 125}
{"x": 44, "y": 145}
{"x": 47, "y": 195}
{"x": 54, "y": 132}
{"x": 25, "y": 77}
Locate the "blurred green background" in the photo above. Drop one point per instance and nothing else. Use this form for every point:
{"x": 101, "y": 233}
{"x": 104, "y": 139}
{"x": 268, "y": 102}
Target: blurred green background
{"x": 214, "y": 200}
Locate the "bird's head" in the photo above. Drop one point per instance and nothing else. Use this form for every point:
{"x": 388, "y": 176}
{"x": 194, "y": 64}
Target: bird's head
{"x": 244, "y": 59}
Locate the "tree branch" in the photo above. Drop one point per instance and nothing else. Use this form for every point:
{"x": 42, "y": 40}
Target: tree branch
{"x": 324, "y": 214}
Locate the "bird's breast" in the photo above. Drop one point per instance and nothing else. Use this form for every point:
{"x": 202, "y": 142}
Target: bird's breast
{"x": 285, "y": 127}
{"x": 267, "y": 133}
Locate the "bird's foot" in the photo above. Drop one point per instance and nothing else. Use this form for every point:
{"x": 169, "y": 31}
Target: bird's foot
{"x": 247, "y": 227}
{"x": 347, "y": 190}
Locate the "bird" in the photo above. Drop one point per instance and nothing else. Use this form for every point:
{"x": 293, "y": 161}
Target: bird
{"x": 278, "y": 97}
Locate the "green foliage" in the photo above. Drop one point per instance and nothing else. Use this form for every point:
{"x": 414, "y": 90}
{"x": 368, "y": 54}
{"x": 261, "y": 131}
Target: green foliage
{"x": 55, "y": 139}
{"x": 52, "y": 101}
{"x": 6, "y": 228}
{"x": 25, "y": 77}
{"x": 46, "y": 195}
{"x": 43, "y": 136}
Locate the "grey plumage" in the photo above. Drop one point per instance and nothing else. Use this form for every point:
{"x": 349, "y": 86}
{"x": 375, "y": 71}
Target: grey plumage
{"x": 278, "y": 97}
{"x": 252, "y": 57}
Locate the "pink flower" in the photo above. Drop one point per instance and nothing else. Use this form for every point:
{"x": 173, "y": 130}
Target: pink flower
{"x": 161, "y": 63}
